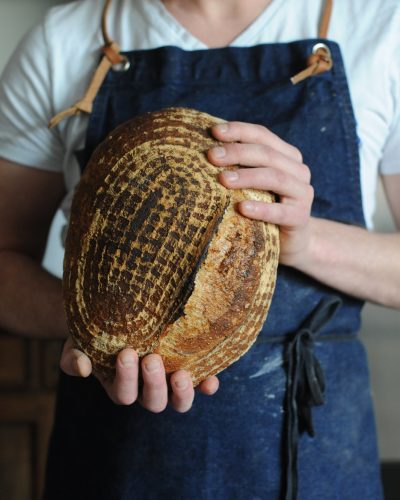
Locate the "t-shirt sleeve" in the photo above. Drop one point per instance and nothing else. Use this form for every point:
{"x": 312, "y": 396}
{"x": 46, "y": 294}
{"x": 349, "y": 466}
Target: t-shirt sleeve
{"x": 26, "y": 106}
{"x": 390, "y": 161}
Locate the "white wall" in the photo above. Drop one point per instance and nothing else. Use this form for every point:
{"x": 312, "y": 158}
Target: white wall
{"x": 381, "y": 331}
{"x": 16, "y": 17}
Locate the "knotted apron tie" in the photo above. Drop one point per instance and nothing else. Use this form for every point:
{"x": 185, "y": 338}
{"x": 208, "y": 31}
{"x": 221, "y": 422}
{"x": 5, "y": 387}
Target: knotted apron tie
{"x": 305, "y": 386}
{"x": 320, "y": 60}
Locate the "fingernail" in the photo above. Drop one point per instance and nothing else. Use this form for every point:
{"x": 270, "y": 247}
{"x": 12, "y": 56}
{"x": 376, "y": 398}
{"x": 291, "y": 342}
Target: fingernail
{"x": 219, "y": 152}
{"x": 248, "y": 206}
{"x": 223, "y": 127}
{"x": 77, "y": 364}
{"x": 152, "y": 365}
{"x": 127, "y": 360}
{"x": 230, "y": 176}
{"x": 181, "y": 384}
{"x": 82, "y": 367}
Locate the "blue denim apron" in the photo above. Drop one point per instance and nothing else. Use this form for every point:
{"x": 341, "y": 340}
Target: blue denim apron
{"x": 255, "y": 438}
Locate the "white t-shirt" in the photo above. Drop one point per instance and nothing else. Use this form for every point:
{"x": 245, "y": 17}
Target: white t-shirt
{"x": 53, "y": 65}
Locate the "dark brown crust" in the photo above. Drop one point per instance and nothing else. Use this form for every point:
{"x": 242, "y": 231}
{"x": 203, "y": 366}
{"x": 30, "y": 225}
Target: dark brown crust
{"x": 144, "y": 213}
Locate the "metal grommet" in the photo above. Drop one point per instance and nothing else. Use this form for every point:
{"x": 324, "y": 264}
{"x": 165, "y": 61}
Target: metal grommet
{"x": 324, "y": 47}
{"x": 122, "y": 66}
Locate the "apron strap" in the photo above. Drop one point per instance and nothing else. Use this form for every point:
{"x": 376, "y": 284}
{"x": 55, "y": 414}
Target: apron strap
{"x": 325, "y": 19}
{"x": 106, "y": 36}
{"x": 320, "y": 60}
{"x": 111, "y": 57}
{"x": 305, "y": 387}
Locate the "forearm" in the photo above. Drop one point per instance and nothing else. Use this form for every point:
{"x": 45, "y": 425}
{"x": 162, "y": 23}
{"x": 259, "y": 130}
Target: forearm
{"x": 355, "y": 261}
{"x": 30, "y": 298}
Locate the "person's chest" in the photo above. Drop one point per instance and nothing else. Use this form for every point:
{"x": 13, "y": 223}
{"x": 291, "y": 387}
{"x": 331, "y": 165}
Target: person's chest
{"x": 215, "y": 24}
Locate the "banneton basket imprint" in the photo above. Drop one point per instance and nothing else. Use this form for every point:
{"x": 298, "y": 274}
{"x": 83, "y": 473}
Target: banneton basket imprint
{"x": 157, "y": 258}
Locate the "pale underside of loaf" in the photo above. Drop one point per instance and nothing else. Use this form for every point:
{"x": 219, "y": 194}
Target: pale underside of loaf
{"x": 158, "y": 259}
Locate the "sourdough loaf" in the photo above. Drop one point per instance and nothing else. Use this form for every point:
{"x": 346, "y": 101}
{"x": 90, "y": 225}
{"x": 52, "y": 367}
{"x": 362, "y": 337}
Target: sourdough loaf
{"x": 156, "y": 256}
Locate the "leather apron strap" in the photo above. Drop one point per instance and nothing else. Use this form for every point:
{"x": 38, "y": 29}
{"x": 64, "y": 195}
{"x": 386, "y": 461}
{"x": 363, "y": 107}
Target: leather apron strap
{"x": 111, "y": 57}
{"x": 321, "y": 59}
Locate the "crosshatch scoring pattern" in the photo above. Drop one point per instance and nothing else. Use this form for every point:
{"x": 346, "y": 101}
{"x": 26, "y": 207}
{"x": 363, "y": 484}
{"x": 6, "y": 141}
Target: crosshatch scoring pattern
{"x": 164, "y": 261}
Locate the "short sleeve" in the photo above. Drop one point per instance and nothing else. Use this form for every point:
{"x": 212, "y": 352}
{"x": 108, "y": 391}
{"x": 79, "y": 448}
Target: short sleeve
{"x": 390, "y": 161}
{"x": 25, "y": 97}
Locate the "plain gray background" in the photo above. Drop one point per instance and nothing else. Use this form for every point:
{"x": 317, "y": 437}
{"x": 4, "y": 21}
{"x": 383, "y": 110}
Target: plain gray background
{"x": 381, "y": 330}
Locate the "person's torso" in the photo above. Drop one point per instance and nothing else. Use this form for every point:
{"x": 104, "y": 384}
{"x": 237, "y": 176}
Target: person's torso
{"x": 147, "y": 24}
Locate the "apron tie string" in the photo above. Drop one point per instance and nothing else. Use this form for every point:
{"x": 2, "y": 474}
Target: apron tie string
{"x": 320, "y": 60}
{"x": 111, "y": 57}
{"x": 305, "y": 386}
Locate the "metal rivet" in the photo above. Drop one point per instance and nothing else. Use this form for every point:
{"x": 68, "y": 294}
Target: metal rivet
{"x": 122, "y": 66}
{"x": 322, "y": 46}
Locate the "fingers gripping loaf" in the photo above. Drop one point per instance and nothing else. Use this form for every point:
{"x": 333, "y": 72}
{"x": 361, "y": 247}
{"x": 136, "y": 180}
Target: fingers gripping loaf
{"x": 156, "y": 256}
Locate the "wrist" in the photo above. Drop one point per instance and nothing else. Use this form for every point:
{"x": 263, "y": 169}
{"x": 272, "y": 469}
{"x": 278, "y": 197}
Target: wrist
{"x": 297, "y": 251}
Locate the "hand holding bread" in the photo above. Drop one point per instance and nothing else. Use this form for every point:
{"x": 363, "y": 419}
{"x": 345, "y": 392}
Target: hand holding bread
{"x": 279, "y": 169}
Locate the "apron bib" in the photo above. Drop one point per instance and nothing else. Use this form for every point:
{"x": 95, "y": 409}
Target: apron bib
{"x": 236, "y": 444}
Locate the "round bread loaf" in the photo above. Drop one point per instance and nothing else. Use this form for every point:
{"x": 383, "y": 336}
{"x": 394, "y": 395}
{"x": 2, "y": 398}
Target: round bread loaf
{"x": 157, "y": 258}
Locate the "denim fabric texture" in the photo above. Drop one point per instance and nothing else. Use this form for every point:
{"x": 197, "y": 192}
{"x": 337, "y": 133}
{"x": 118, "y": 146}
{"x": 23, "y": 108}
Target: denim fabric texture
{"x": 229, "y": 446}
